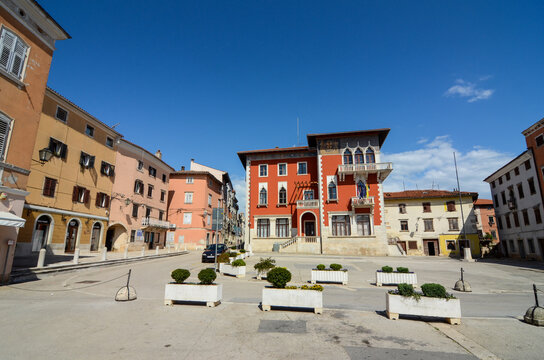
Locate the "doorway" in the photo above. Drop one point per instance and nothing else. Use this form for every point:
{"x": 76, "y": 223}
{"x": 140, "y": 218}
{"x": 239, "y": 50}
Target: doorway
{"x": 309, "y": 228}
{"x": 431, "y": 247}
{"x": 109, "y": 239}
{"x": 95, "y": 236}
{"x": 402, "y": 245}
{"x": 41, "y": 233}
{"x": 521, "y": 248}
{"x": 71, "y": 236}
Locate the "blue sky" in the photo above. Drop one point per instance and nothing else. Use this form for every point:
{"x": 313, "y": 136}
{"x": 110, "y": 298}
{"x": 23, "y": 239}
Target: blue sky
{"x": 205, "y": 79}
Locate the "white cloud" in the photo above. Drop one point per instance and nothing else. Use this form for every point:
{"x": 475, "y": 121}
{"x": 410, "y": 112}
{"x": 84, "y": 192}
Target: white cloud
{"x": 239, "y": 185}
{"x": 434, "y": 163}
{"x": 422, "y": 140}
{"x": 469, "y": 90}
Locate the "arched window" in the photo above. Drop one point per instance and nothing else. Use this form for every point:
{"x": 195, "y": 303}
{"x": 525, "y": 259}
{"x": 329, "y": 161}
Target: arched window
{"x": 263, "y": 197}
{"x": 348, "y": 158}
{"x": 282, "y": 196}
{"x": 361, "y": 189}
{"x": 332, "y": 191}
{"x": 370, "y": 159}
{"x": 13, "y": 54}
{"x": 359, "y": 158}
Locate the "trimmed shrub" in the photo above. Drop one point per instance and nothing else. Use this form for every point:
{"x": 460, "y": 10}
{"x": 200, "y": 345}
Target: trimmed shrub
{"x": 180, "y": 275}
{"x": 335, "y": 267}
{"x": 264, "y": 265}
{"x": 223, "y": 258}
{"x": 434, "y": 290}
{"x": 320, "y": 267}
{"x": 207, "y": 276}
{"x": 233, "y": 254}
{"x": 401, "y": 269}
{"x": 387, "y": 269}
{"x": 238, "y": 262}
{"x": 242, "y": 251}
{"x": 232, "y": 247}
{"x": 278, "y": 277}
{"x": 405, "y": 289}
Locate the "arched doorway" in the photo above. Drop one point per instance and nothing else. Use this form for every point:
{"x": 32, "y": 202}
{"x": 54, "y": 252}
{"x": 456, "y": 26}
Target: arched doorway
{"x": 116, "y": 237}
{"x": 95, "y": 236}
{"x": 307, "y": 220}
{"x": 41, "y": 232}
{"x": 71, "y": 235}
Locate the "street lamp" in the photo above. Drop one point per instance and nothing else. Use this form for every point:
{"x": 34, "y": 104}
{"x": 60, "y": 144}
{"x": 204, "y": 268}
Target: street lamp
{"x": 45, "y": 155}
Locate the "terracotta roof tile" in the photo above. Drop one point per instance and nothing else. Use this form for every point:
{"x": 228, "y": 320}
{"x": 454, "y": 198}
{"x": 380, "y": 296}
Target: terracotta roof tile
{"x": 422, "y": 194}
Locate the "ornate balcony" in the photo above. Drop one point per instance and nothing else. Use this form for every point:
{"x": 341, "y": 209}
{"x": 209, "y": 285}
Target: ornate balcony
{"x": 158, "y": 224}
{"x": 308, "y": 204}
{"x": 357, "y": 202}
{"x": 381, "y": 169}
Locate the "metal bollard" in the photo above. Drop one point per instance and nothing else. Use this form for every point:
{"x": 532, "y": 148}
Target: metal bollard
{"x": 41, "y": 258}
{"x": 76, "y": 256}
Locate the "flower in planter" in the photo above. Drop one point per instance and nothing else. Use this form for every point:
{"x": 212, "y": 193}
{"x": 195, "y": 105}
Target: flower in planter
{"x": 278, "y": 277}
{"x": 313, "y": 287}
{"x": 238, "y": 262}
{"x": 180, "y": 275}
{"x": 207, "y": 276}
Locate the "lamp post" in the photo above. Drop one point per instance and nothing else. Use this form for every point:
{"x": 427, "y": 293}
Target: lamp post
{"x": 45, "y": 155}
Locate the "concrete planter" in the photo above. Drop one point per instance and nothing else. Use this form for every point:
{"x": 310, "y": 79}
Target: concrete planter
{"x": 395, "y": 278}
{"x": 238, "y": 271}
{"x": 210, "y": 294}
{"x": 339, "y": 276}
{"x": 425, "y": 306}
{"x": 237, "y": 257}
{"x": 292, "y": 298}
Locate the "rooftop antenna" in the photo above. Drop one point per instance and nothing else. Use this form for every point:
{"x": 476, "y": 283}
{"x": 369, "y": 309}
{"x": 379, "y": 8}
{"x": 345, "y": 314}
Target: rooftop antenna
{"x": 403, "y": 186}
{"x": 114, "y": 126}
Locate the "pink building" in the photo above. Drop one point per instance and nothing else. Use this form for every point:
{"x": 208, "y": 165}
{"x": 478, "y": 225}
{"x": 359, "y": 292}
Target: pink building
{"x": 139, "y": 200}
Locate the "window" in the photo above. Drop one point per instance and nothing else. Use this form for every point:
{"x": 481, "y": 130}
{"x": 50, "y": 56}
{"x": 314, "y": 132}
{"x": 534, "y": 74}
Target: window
{"x": 163, "y": 195}
{"x": 508, "y": 223}
{"x": 538, "y": 217}
{"x": 503, "y": 196}
{"x": 370, "y": 158}
{"x": 359, "y": 158}
{"x": 138, "y": 187}
{"x": 412, "y": 245}
{"x": 58, "y": 148}
{"x": 331, "y": 188}
{"x": 80, "y": 195}
{"x": 263, "y": 228}
{"x": 516, "y": 218}
{"x": 152, "y": 171}
{"x": 348, "y": 158}
{"x": 263, "y": 170}
{"x": 188, "y": 197}
{"x": 134, "y": 210}
{"x": 428, "y": 224}
{"x": 107, "y": 169}
{"x": 208, "y": 219}
{"x": 525, "y": 214}
{"x": 86, "y": 160}
{"x": 282, "y": 169}
{"x": 493, "y": 184}
{"x": 520, "y": 191}
{"x": 308, "y": 194}
{"x": 499, "y": 222}
{"x": 491, "y": 220}
{"x": 149, "y": 190}
{"x": 189, "y": 180}
{"x": 450, "y": 205}
{"x": 147, "y": 212}
{"x": 49, "y": 186}
{"x": 363, "y": 225}
{"x": 282, "y": 196}
{"x": 341, "y": 225}
{"x": 209, "y": 199}
{"x": 507, "y": 176}
{"x": 453, "y": 224}
{"x": 263, "y": 198}
{"x": 89, "y": 130}
{"x": 531, "y": 244}
{"x": 187, "y": 218}
{"x": 14, "y": 52}
{"x": 161, "y": 214}
{"x": 164, "y": 178}
{"x": 109, "y": 142}
{"x": 539, "y": 140}
{"x": 426, "y": 207}
{"x": 531, "y": 183}
{"x": 402, "y": 208}
{"x": 450, "y": 245}
{"x": 61, "y": 114}
{"x": 527, "y": 165}
{"x": 302, "y": 168}
{"x": 102, "y": 200}
{"x": 516, "y": 171}
{"x": 404, "y": 225}
{"x": 140, "y": 165}
{"x": 494, "y": 234}
{"x": 500, "y": 180}
{"x": 132, "y": 235}
{"x": 496, "y": 200}
{"x": 282, "y": 227}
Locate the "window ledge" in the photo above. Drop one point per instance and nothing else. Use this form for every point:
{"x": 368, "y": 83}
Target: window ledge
{"x": 405, "y": 231}
{"x": 13, "y": 79}
{"x": 262, "y": 205}
{"x": 281, "y": 205}
{"x": 332, "y": 201}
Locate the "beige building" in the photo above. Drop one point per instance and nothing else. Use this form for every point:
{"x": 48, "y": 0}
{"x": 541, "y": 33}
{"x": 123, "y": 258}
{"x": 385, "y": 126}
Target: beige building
{"x": 429, "y": 222}
{"x": 69, "y": 201}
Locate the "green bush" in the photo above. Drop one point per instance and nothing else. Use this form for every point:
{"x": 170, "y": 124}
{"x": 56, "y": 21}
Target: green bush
{"x": 405, "y": 289}
{"x": 320, "y": 267}
{"x": 242, "y": 251}
{"x": 335, "y": 267}
{"x": 233, "y": 254}
{"x": 232, "y": 247}
{"x": 434, "y": 290}
{"x": 207, "y": 276}
{"x": 238, "y": 262}
{"x": 223, "y": 258}
{"x": 387, "y": 269}
{"x": 264, "y": 265}
{"x": 401, "y": 269}
{"x": 278, "y": 277}
{"x": 180, "y": 275}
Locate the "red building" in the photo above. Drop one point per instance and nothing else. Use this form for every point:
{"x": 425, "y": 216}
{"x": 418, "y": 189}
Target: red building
{"x": 485, "y": 219}
{"x": 326, "y": 197}
{"x": 534, "y": 137}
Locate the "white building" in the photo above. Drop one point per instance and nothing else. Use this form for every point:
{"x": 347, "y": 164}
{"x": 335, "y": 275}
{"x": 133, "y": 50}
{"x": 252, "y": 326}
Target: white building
{"x": 518, "y": 207}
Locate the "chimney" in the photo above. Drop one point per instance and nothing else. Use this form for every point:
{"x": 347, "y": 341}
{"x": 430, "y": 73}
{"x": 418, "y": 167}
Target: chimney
{"x": 183, "y": 168}
{"x": 158, "y": 154}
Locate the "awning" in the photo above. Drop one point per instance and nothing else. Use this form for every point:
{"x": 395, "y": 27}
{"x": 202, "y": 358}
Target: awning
{"x": 9, "y": 219}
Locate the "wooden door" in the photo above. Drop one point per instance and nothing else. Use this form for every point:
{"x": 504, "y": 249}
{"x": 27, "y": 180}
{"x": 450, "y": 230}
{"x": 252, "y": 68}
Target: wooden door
{"x": 402, "y": 245}
{"x": 431, "y": 247}
{"x": 71, "y": 236}
{"x": 309, "y": 228}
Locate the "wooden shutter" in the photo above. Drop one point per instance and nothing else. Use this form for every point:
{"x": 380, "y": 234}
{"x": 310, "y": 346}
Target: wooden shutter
{"x": 136, "y": 186}
{"x": 87, "y": 196}
{"x": 63, "y": 151}
{"x": 4, "y": 131}
{"x": 82, "y": 159}
{"x": 98, "y": 197}
{"x": 74, "y": 194}
{"x": 91, "y": 162}
{"x": 18, "y": 58}
{"x": 107, "y": 202}
{"x": 7, "y": 41}
{"x": 46, "y": 187}
{"x": 112, "y": 170}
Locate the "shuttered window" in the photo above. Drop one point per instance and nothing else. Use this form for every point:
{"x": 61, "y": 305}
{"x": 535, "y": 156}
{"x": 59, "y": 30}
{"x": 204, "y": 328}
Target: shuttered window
{"x": 102, "y": 200}
{"x": 5, "y": 123}
{"x": 13, "y": 53}
{"x": 49, "y": 186}
{"x": 81, "y": 195}
{"x": 58, "y": 148}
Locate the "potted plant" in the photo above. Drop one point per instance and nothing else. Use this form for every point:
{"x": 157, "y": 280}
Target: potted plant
{"x": 432, "y": 301}
{"x": 402, "y": 276}
{"x": 263, "y": 266}
{"x": 334, "y": 274}
{"x": 291, "y": 296}
{"x": 236, "y": 268}
{"x": 233, "y": 255}
{"x": 205, "y": 291}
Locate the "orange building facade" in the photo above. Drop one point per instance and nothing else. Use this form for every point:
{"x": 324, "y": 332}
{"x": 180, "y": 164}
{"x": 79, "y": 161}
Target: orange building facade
{"x": 326, "y": 197}
{"x": 534, "y": 137}
{"x": 486, "y": 222}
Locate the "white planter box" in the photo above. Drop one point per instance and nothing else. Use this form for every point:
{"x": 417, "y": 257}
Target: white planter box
{"x": 329, "y": 276}
{"x": 425, "y": 306}
{"x": 210, "y": 294}
{"x": 292, "y": 298}
{"x": 238, "y": 271}
{"x": 237, "y": 257}
{"x": 395, "y": 278}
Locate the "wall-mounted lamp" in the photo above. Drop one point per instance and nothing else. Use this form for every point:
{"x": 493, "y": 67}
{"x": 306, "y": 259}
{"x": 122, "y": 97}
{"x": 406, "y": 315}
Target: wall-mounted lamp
{"x": 45, "y": 155}
{"x": 127, "y": 202}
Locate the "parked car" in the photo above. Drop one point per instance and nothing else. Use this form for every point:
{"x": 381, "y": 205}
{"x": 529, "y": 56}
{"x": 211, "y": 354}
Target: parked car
{"x": 209, "y": 253}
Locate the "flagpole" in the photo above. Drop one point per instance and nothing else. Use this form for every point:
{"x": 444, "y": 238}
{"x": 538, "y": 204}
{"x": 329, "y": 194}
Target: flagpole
{"x": 460, "y": 204}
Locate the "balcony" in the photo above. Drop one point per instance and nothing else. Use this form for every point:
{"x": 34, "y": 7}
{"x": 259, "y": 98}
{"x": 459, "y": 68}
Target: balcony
{"x": 308, "y": 204}
{"x": 381, "y": 169}
{"x": 357, "y": 202}
{"x": 157, "y": 224}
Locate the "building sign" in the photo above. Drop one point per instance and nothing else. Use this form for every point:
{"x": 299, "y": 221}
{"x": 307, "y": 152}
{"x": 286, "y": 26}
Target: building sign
{"x": 139, "y": 235}
{"x": 217, "y": 219}
{"x": 328, "y": 146}
{"x": 170, "y": 237}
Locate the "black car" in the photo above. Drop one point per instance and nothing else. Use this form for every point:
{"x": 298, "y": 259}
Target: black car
{"x": 209, "y": 253}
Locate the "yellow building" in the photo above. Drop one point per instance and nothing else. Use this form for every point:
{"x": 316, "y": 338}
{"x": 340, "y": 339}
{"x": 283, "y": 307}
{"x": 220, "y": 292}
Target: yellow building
{"x": 69, "y": 200}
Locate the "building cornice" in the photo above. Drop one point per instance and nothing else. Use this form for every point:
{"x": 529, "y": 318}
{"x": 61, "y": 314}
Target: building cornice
{"x": 531, "y": 129}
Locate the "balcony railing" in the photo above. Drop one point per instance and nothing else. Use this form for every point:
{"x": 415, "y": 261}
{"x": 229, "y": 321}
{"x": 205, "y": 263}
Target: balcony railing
{"x": 382, "y": 169}
{"x": 357, "y": 202}
{"x": 308, "y": 204}
{"x": 150, "y": 222}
